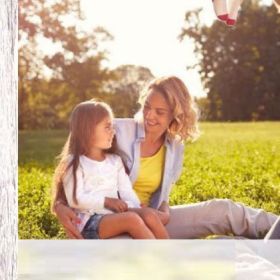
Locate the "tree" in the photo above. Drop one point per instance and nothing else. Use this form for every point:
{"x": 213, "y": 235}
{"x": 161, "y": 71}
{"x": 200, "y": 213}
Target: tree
{"x": 128, "y": 82}
{"x": 75, "y": 67}
{"x": 203, "y": 105}
{"x": 240, "y": 67}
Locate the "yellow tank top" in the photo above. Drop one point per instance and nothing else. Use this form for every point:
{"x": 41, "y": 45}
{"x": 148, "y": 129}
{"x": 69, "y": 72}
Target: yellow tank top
{"x": 150, "y": 175}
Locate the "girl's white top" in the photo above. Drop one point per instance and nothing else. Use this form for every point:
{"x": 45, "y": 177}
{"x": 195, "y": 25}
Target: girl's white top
{"x": 95, "y": 181}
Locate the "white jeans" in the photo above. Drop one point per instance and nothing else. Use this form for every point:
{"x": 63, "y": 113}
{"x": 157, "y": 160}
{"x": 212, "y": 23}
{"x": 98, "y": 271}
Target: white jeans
{"x": 216, "y": 216}
{"x": 274, "y": 232}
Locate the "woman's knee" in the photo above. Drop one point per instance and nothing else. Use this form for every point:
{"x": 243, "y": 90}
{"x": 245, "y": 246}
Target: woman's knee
{"x": 223, "y": 204}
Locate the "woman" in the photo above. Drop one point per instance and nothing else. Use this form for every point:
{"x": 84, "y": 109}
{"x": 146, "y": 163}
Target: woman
{"x": 152, "y": 147}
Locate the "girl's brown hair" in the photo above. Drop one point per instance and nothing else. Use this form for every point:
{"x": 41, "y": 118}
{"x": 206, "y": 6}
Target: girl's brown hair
{"x": 83, "y": 121}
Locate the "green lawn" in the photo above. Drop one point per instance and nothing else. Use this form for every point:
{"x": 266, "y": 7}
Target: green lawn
{"x": 240, "y": 161}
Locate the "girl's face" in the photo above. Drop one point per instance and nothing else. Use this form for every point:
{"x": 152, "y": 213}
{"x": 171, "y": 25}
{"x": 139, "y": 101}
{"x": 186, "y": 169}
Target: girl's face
{"x": 103, "y": 134}
{"x": 156, "y": 112}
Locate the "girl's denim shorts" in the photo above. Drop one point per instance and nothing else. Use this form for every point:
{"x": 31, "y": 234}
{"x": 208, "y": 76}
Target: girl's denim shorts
{"x": 90, "y": 230}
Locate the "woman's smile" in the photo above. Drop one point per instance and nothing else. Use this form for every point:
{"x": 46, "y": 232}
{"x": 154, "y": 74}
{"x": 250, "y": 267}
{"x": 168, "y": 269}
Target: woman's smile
{"x": 151, "y": 123}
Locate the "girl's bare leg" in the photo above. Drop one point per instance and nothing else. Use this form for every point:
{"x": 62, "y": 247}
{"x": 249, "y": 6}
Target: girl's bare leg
{"x": 152, "y": 220}
{"x": 126, "y": 222}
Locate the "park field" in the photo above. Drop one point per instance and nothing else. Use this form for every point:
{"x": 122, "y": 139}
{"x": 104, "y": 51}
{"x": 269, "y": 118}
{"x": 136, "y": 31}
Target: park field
{"x": 240, "y": 161}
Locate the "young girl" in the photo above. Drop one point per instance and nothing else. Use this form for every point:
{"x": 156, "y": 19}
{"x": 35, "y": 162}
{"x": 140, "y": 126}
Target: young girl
{"x": 95, "y": 182}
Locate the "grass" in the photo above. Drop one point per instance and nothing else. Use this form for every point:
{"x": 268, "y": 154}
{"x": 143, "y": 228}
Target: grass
{"x": 239, "y": 161}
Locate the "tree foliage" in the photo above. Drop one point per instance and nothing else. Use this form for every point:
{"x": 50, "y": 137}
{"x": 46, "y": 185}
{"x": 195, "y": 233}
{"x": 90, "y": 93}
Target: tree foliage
{"x": 75, "y": 64}
{"x": 239, "y": 67}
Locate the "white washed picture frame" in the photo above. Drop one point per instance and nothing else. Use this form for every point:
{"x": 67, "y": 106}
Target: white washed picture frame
{"x": 140, "y": 255}
{"x": 8, "y": 139}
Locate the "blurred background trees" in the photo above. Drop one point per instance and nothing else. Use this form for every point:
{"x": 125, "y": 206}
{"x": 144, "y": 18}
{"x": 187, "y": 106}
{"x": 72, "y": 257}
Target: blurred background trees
{"x": 51, "y": 84}
{"x": 239, "y": 67}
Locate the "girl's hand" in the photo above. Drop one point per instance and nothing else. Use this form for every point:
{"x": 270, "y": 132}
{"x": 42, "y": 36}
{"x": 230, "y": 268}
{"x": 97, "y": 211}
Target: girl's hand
{"x": 115, "y": 204}
{"x": 68, "y": 218}
{"x": 143, "y": 205}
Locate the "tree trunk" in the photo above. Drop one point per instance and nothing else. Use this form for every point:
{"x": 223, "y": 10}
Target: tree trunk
{"x": 8, "y": 139}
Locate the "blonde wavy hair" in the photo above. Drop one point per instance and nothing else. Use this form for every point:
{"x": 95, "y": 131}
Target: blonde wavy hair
{"x": 277, "y": 4}
{"x": 184, "y": 125}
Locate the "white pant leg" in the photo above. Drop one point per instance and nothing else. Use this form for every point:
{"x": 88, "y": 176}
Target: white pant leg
{"x": 274, "y": 232}
{"x": 218, "y": 216}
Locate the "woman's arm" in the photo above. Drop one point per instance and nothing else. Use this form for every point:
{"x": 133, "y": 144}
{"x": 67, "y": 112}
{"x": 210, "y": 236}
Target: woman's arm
{"x": 66, "y": 216}
{"x": 69, "y": 220}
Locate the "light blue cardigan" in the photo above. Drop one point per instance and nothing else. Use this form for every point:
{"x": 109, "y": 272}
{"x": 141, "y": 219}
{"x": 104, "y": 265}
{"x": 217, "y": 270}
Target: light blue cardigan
{"x": 129, "y": 134}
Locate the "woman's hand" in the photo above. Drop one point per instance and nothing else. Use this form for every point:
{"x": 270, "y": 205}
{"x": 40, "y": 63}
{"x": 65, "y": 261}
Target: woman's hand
{"x": 115, "y": 204}
{"x": 164, "y": 207}
{"x": 164, "y": 212}
{"x": 68, "y": 218}
{"x": 164, "y": 217}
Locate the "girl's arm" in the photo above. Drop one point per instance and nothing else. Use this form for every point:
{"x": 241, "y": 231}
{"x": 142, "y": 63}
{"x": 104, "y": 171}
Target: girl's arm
{"x": 86, "y": 199}
{"x": 125, "y": 189}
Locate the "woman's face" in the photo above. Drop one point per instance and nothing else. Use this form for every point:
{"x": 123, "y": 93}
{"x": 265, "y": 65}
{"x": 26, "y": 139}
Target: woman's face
{"x": 156, "y": 112}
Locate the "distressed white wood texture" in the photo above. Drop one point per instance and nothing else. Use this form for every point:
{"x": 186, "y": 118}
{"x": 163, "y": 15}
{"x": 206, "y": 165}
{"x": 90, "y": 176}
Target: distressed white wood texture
{"x": 8, "y": 139}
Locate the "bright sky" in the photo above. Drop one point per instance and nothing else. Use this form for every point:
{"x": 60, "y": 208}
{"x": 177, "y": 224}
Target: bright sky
{"x": 145, "y": 33}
